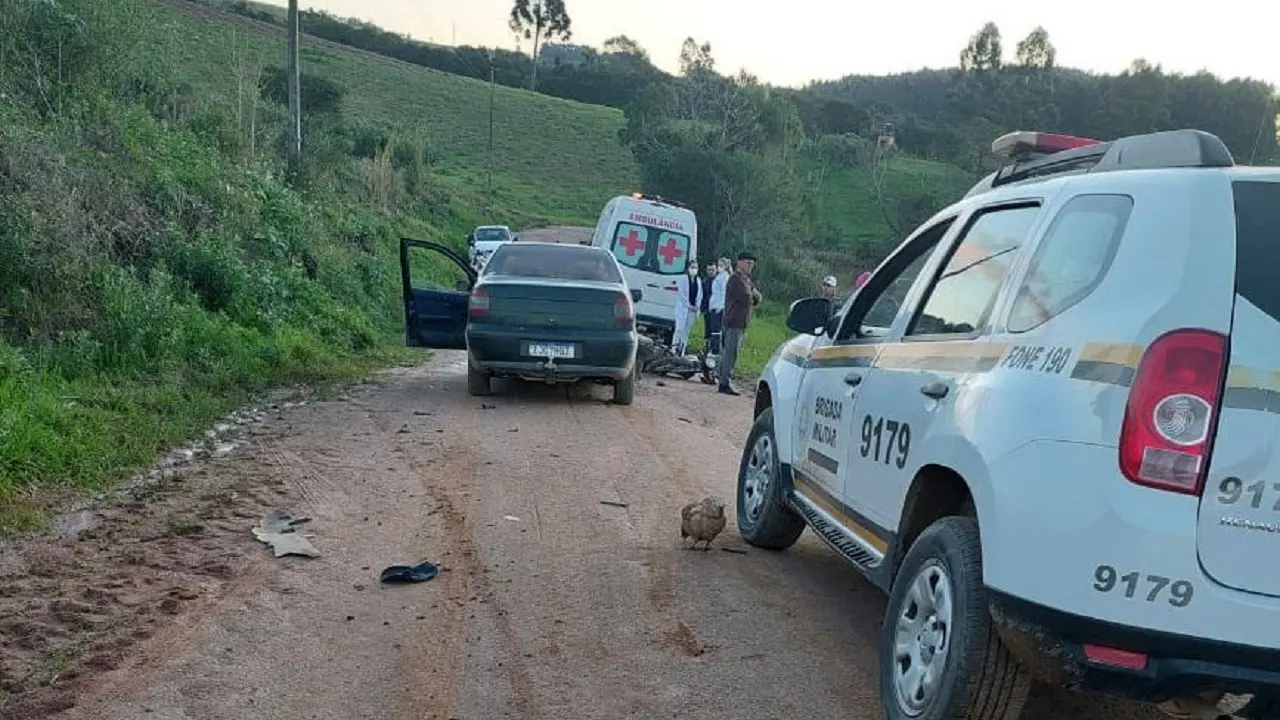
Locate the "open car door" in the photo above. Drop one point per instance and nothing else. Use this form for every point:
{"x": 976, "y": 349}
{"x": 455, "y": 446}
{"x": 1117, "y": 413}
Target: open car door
{"x": 434, "y": 316}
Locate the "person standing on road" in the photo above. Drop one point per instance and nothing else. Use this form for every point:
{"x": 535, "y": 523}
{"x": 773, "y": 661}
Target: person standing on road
{"x": 740, "y": 296}
{"x": 705, "y": 306}
{"x": 715, "y": 307}
{"x": 688, "y": 297}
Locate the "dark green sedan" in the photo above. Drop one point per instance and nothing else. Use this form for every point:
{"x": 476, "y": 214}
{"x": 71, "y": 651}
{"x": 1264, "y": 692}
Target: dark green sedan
{"x": 541, "y": 312}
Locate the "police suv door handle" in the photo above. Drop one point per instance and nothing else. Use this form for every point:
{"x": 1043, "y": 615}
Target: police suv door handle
{"x": 936, "y": 390}
{"x": 853, "y": 379}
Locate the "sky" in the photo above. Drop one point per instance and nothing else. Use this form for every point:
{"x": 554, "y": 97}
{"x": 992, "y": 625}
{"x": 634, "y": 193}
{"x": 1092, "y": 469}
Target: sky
{"x": 801, "y": 40}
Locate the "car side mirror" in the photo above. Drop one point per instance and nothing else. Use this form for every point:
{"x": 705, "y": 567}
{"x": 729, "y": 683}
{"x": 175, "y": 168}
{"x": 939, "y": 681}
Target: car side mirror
{"x": 471, "y": 241}
{"x": 636, "y": 295}
{"x": 809, "y": 315}
{"x": 463, "y": 286}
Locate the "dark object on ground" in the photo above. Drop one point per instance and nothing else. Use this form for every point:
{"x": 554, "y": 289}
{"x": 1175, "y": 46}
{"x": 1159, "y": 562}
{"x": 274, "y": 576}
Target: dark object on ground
{"x": 611, "y": 503}
{"x": 735, "y": 551}
{"x": 421, "y": 572}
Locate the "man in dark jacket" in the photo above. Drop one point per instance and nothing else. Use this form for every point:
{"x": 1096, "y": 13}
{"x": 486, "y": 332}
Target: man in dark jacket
{"x": 740, "y": 296}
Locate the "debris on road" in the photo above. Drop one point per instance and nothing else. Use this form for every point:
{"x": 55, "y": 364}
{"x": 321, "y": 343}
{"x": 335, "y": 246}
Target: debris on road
{"x": 421, "y": 572}
{"x": 488, "y": 407}
{"x": 279, "y": 530}
{"x": 735, "y": 551}
{"x": 511, "y": 518}
{"x": 612, "y": 503}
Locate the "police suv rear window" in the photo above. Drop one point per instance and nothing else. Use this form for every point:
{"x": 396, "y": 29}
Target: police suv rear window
{"x": 1075, "y": 253}
{"x": 1258, "y": 244}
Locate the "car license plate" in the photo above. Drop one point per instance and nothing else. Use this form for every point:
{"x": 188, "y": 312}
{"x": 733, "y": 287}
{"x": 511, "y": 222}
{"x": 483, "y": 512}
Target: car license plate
{"x": 551, "y": 350}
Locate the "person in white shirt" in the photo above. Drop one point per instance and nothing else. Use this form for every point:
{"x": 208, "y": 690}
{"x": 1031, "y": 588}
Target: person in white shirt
{"x": 715, "y": 307}
{"x": 688, "y": 298}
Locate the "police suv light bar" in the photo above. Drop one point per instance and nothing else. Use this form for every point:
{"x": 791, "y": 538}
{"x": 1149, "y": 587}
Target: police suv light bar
{"x": 1022, "y": 143}
{"x": 1042, "y": 155}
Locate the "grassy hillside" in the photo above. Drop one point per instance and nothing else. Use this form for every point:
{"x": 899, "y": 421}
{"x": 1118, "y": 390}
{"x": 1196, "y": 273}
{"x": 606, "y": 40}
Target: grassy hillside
{"x": 157, "y": 267}
{"x": 554, "y": 160}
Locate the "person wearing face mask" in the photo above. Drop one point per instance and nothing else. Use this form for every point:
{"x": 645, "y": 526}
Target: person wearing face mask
{"x": 688, "y": 298}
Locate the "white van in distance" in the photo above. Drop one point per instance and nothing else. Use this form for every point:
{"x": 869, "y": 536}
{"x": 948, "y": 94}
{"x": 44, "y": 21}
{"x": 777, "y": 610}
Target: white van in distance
{"x": 654, "y": 240}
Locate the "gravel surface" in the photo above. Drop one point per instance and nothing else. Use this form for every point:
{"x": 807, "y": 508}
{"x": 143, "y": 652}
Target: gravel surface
{"x": 553, "y": 602}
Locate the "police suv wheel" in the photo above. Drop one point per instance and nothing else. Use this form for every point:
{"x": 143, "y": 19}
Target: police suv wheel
{"x": 940, "y": 657}
{"x": 764, "y": 520}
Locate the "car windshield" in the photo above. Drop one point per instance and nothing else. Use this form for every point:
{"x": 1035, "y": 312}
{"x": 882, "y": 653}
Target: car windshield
{"x": 490, "y": 234}
{"x": 546, "y": 260}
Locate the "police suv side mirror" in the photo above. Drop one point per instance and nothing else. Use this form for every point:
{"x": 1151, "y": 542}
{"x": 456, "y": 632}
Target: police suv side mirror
{"x": 636, "y": 294}
{"x": 471, "y": 240}
{"x": 809, "y": 316}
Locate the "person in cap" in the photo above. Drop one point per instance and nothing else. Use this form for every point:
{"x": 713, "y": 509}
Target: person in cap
{"x": 828, "y": 289}
{"x": 741, "y": 296}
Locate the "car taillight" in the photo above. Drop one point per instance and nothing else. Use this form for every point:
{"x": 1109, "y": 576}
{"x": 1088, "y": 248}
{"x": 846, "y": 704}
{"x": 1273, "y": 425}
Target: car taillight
{"x": 1168, "y": 422}
{"x": 479, "y": 305}
{"x": 624, "y": 312}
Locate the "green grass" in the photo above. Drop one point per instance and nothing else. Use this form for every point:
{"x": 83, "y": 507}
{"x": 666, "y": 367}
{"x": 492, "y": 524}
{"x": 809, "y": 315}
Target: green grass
{"x": 553, "y": 160}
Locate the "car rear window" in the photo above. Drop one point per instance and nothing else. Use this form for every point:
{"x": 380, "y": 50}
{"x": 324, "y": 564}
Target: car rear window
{"x": 546, "y": 260}
{"x": 1258, "y": 244}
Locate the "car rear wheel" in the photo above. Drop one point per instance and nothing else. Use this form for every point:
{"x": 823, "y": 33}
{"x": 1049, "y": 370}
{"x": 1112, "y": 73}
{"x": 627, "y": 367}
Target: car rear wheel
{"x": 477, "y": 381}
{"x": 940, "y": 656}
{"x": 764, "y": 520}
{"x": 624, "y": 391}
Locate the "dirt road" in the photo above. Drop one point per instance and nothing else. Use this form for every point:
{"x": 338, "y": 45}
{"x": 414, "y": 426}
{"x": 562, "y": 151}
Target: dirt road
{"x": 551, "y": 604}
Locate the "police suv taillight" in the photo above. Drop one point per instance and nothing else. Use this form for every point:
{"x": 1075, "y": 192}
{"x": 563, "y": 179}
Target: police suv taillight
{"x": 624, "y": 312}
{"x": 478, "y": 306}
{"x": 1174, "y": 400}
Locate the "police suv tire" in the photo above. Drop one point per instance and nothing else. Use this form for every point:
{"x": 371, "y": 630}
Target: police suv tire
{"x": 980, "y": 679}
{"x": 778, "y": 526}
{"x": 477, "y": 381}
{"x": 624, "y": 391}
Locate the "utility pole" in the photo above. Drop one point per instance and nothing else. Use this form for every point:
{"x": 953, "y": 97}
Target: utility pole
{"x": 491, "y": 93}
{"x": 295, "y": 95}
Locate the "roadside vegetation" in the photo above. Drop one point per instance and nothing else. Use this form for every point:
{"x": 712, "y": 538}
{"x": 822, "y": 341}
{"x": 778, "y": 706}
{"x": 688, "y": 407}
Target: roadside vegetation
{"x": 159, "y": 267}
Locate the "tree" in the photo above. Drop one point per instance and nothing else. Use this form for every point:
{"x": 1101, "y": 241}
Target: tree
{"x": 623, "y": 45}
{"x": 985, "y": 52}
{"x": 539, "y": 20}
{"x": 696, "y": 59}
{"x": 1035, "y": 52}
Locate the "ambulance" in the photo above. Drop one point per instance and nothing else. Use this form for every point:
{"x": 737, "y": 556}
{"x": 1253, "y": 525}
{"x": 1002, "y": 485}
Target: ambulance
{"x": 655, "y": 240}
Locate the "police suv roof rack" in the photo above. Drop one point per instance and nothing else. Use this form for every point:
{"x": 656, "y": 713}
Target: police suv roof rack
{"x": 657, "y": 198}
{"x": 1039, "y": 155}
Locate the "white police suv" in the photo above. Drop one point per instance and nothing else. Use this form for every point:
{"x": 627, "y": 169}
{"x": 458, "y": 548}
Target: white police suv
{"x": 1046, "y": 427}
